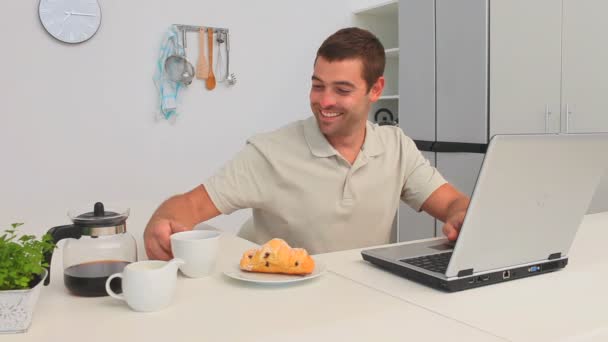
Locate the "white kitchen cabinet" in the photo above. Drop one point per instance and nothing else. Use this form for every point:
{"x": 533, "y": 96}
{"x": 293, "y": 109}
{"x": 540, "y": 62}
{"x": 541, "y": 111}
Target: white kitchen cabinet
{"x": 525, "y": 66}
{"x": 585, "y": 66}
{"x": 548, "y": 66}
{"x": 470, "y": 69}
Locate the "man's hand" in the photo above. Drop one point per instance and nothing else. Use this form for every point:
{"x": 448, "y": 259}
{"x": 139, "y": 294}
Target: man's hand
{"x": 178, "y": 213}
{"x": 157, "y": 238}
{"x": 452, "y": 225}
{"x": 447, "y": 205}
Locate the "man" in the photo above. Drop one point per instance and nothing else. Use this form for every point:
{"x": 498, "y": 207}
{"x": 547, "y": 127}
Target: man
{"x": 330, "y": 182}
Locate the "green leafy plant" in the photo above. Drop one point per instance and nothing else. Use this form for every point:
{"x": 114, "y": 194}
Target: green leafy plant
{"x": 21, "y": 258}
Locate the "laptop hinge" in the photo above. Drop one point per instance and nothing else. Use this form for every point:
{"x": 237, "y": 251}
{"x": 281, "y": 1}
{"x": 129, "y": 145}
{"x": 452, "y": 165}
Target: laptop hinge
{"x": 464, "y": 273}
{"x": 555, "y": 256}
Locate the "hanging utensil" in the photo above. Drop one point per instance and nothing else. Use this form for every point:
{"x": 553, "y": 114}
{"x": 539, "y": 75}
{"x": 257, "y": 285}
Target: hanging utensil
{"x": 177, "y": 67}
{"x": 202, "y": 68}
{"x": 211, "y": 79}
{"x": 230, "y": 78}
{"x": 220, "y": 76}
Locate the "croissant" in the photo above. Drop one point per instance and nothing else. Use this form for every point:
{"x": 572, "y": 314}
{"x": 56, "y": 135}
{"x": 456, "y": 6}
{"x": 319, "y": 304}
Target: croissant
{"x": 276, "y": 256}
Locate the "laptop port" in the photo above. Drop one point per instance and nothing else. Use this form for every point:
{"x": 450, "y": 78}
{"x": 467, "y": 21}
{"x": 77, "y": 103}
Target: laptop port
{"x": 506, "y": 274}
{"x": 485, "y": 278}
{"x": 532, "y": 269}
{"x": 472, "y": 281}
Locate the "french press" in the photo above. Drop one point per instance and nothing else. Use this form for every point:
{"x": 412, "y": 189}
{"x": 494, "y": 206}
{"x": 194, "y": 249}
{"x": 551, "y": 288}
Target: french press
{"x": 97, "y": 246}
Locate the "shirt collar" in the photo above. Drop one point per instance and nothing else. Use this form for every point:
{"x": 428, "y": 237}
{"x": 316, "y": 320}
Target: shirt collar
{"x": 320, "y": 147}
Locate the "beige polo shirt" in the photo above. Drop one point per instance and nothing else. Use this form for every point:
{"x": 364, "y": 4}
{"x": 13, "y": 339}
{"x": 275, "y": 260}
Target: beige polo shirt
{"x": 303, "y": 191}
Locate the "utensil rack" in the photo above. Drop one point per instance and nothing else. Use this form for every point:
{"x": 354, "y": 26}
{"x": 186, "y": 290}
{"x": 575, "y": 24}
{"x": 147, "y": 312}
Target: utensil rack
{"x": 195, "y": 28}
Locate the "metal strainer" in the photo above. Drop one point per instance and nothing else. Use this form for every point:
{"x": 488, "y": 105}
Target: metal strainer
{"x": 177, "y": 66}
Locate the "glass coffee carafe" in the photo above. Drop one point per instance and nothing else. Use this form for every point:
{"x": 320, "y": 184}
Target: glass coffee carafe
{"x": 97, "y": 246}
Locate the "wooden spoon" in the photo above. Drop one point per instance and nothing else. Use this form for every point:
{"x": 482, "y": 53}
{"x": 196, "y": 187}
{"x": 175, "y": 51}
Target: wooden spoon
{"x": 202, "y": 69}
{"x": 210, "y": 79}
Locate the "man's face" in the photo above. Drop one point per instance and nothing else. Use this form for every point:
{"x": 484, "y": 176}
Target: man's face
{"x": 339, "y": 98}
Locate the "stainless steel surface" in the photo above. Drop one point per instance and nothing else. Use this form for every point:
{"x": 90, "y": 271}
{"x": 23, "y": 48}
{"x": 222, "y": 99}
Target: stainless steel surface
{"x": 178, "y": 68}
{"x": 230, "y": 78}
{"x": 220, "y": 38}
{"x": 100, "y": 231}
{"x": 195, "y": 28}
{"x": 411, "y": 250}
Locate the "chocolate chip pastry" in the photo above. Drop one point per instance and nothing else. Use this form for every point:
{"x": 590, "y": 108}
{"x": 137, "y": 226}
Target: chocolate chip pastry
{"x": 276, "y": 256}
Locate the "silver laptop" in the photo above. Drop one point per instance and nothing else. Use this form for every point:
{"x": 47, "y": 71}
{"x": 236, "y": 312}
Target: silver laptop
{"x": 529, "y": 200}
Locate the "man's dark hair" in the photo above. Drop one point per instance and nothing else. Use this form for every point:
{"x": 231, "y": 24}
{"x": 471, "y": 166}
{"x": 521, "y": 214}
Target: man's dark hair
{"x": 356, "y": 43}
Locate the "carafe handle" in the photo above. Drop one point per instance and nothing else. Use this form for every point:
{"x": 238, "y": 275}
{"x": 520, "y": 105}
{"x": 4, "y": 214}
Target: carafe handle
{"x": 59, "y": 233}
{"x": 109, "y": 289}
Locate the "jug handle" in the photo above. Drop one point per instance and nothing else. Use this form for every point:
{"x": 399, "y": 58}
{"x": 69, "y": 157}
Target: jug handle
{"x": 109, "y": 289}
{"x": 59, "y": 233}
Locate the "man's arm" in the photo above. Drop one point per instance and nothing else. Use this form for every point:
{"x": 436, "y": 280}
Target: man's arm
{"x": 178, "y": 213}
{"x": 447, "y": 205}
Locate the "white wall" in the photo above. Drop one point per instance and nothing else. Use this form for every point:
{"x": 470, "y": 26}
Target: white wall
{"x": 78, "y": 123}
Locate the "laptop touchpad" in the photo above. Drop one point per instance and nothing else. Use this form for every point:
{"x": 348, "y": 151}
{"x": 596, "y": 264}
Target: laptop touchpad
{"x": 443, "y": 246}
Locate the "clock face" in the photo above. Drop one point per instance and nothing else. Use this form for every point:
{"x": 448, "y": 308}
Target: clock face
{"x": 70, "y": 21}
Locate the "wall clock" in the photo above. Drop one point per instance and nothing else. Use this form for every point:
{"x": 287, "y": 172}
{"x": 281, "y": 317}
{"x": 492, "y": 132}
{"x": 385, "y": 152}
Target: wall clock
{"x": 70, "y": 21}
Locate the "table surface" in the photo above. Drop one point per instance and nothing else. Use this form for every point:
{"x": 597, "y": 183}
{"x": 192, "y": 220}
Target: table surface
{"x": 218, "y": 308}
{"x": 568, "y": 305}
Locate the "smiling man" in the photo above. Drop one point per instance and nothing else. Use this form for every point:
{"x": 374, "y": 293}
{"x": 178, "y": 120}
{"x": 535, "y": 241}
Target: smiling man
{"x": 330, "y": 182}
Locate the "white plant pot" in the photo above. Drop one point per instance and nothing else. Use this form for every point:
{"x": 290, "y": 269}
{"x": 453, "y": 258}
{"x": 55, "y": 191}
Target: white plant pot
{"x": 17, "y": 307}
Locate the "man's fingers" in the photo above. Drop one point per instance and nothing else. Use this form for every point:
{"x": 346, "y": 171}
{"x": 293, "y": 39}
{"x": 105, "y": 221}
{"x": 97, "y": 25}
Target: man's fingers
{"x": 158, "y": 238}
{"x": 156, "y": 250}
{"x": 450, "y": 231}
{"x": 163, "y": 240}
{"x": 176, "y": 228}
{"x": 157, "y": 242}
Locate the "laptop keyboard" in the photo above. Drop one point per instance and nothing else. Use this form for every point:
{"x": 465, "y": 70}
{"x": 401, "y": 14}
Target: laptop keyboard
{"x": 434, "y": 262}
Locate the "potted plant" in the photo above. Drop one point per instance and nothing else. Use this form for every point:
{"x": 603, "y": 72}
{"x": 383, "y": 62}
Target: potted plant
{"x": 22, "y": 272}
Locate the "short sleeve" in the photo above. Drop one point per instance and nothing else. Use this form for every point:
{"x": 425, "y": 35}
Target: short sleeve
{"x": 239, "y": 183}
{"x": 421, "y": 178}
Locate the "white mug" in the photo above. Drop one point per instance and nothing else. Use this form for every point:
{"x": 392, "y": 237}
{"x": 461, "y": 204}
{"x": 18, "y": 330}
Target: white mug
{"x": 198, "y": 249}
{"x": 147, "y": 285}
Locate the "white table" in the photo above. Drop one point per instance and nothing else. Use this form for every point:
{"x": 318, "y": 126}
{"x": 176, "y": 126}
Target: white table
{"x": 217, "y": 308}
{"x": 568, "y": 305}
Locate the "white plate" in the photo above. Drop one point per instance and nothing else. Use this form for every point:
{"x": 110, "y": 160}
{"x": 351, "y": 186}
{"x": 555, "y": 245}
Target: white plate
{"x": 271, "y": 278}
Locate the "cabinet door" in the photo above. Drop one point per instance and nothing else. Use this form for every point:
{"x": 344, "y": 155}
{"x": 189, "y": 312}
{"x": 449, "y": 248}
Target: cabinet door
{"x": 585, "y": 55}
{"x": 461, "y": 170}
{"x": 525, "y": 66}
{"x": 417, "y": 69}
{"x": 414, "y": 225}
{"x": 462, "y": 59}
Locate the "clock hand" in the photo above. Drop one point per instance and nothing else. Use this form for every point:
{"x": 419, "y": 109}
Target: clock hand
{"x": 84, "y": 14}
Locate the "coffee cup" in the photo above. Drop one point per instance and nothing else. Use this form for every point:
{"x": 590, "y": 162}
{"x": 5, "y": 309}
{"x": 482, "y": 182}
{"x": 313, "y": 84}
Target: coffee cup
{"x": 147, "y": 285}
{"x": 198, "y": 249}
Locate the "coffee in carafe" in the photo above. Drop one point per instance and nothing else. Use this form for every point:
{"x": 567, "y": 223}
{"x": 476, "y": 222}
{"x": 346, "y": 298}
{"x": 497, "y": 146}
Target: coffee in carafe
{"x": 89, "y": 279}
{"x": 96, "y": 246}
